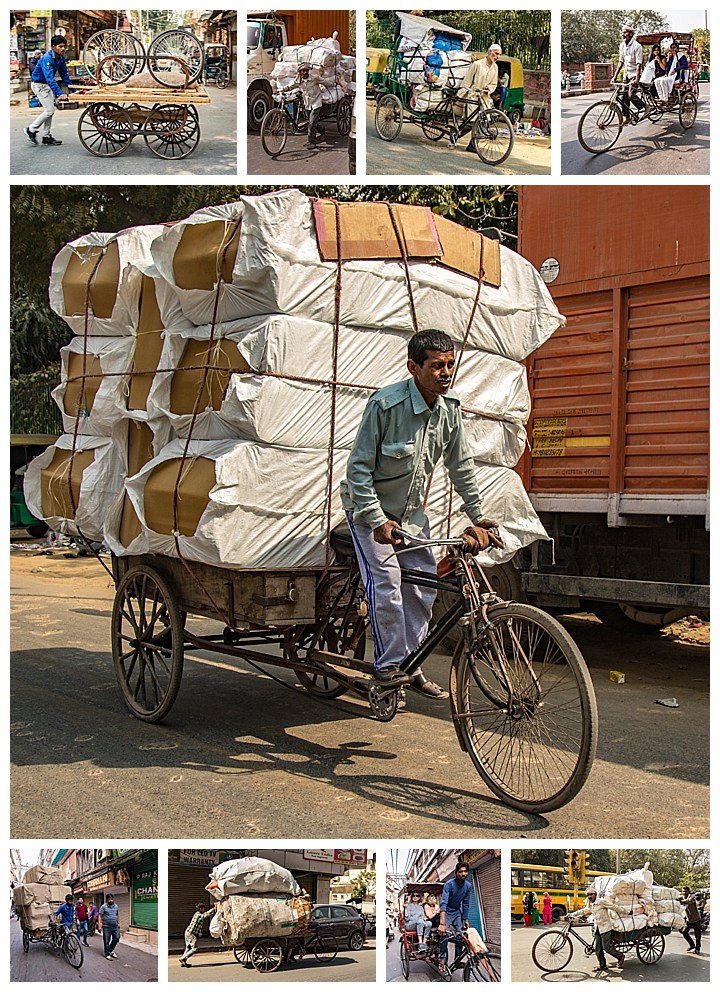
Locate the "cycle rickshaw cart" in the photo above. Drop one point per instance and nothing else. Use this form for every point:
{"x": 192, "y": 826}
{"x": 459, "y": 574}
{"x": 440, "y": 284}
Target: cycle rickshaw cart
{"x": 553, "y": 950}
{"x": 164, "y": 114}
{"x": 476, "y": 966}
{"x": 602, "y": 123}
{"x": 56, "y": 937}
{"x": 217, "y": 65}
{"x": 291, "y": 117}
{"x": 522, "y": 701}
{"x": 266, "y": 954}
{"x": 417, "y": 89}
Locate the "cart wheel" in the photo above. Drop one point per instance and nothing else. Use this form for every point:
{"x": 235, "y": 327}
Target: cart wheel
{"x": 147, "y": 643}
{"x": 266, "y": 955}
{"x": 172, "y": 131}
{"x": 688, "y": 110}
{"x": 552, "y": 951}
{"x": 343, "y": 116}
{"x": 493, "y": 136}
{"x": 115, "y": 55}
{"x": 524, "y": 708}
{"x": 72, "y": 950}
{"x": 222, "y": 80}
{"x": 26, "y": 941}
{"x": 482, "y": 968}
{"x": 326, "y": 949}
{"x": 650, "y": 949}
{"x": 515, "y": 116}
{"x": 274, "y": 131}
{"x": 334, "y": 639}
{"x": 105, "y": 129}
{"x": 433, "y": 129}
{"x": 242, "y": 956}
{"x": 388, "y": 117}
{"x": 167, "y": 48}
{"x": 404, "y": 960}
{"x": 600, "y": 127}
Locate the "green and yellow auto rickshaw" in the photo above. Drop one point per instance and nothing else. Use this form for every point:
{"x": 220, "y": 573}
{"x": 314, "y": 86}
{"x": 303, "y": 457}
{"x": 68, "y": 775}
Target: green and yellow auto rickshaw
{"x": 514, "y": 102}
{"x": 376, "y": 60}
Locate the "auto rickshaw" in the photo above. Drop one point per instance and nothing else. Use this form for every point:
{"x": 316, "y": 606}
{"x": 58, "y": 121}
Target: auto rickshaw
{"x": 514, "y": 102}
{"x": 216, "y": 65}
{"x": 376, "y": 60}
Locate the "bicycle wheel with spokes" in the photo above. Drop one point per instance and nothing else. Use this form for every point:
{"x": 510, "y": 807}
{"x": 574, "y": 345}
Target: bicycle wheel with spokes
{"x": 433, "y": 128}
{"x": 688, "y": 110}
{"x": 174, "y": 56}
{"x": 73, "y": 951}
{"x": 388, "y": 117}
{"x": 600, "y": 127}
{"x": 404, "y": 960}
{"x": 148, "y": 643}
{"x": 111, "y": 57}
{"x": 326, "y": 948}
{"x": 482, "y": 968}
{"x": 493, "y": 136}
{"x": 524, "y": 708}
{"x": 552, "y": 951}
{"x": 274, "y": 131}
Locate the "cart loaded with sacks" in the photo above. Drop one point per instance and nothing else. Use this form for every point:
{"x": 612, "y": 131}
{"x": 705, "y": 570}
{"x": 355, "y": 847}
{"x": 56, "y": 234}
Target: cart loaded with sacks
{"x": 152, "y": 94}
{"x": 210, "y": 397}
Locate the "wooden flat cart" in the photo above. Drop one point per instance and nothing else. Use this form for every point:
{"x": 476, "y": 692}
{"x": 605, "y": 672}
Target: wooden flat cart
{"x": 166, "y": 118}
{"x": 266, "y": 954}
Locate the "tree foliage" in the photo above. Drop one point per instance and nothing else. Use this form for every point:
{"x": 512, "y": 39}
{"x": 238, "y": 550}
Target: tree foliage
{"x": 673, "y": 867}
{"x": 515, "y": 30}
{"x": 44, "y": 218}
{"x": 702, "y": 40}
{"x": 596, "y": 35}
{"x": 364, "y": 884}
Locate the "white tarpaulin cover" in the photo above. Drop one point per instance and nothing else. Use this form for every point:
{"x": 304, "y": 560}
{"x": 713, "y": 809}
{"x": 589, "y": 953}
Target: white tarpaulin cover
{"x": 420, "y": 29}
{"x": 251, "y": 875}
{"x": 278, "y": 269}
{"x": 103, "y": 400}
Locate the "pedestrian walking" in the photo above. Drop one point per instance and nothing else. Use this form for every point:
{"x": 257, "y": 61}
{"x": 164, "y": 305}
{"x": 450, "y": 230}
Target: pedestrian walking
{"x": 528, "y": 904}
{"x": 547, "y": 909}
{"x": 93, "y": 919}
{"x": 81, "y": 920}
{"x": 46, "y": 89}
{"x": 110, "y": 916}
{"x": 535, "y": 911}
{"x": 194, "y": 930}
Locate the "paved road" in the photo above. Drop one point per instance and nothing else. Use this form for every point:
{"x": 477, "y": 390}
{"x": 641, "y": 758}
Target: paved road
{"x": 221, "y": 966}
{"x": 676, "y": 965}
{"x": 249, "y": 756}
{"x": 411, "y": 153}
{"x": 420, "y": 971}
{"x": 662, "y": 149}
{"x": 44, "y": 964}
{"x": 215, "y": 154}
{"x": 328, "y": 158}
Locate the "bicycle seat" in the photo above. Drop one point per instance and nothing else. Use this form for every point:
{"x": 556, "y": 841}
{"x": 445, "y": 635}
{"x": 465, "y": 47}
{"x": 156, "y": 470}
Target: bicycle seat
{"x": 341, "y": 541}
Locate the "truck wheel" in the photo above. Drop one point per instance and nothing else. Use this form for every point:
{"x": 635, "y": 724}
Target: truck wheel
{"x": 259, "y": 104}
{"x": 627, "y": 617}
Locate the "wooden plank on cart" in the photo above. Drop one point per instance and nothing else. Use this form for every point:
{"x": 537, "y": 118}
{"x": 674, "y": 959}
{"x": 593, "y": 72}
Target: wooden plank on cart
{"x": 142, "y": 94}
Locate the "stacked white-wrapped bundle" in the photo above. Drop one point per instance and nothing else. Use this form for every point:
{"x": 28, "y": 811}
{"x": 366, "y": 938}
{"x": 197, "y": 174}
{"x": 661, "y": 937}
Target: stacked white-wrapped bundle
{"x": 242, "y": 388}
{"x": 256, "y": 898}
{"x": 329, "y": 77}
{"x": 634, "y": 902}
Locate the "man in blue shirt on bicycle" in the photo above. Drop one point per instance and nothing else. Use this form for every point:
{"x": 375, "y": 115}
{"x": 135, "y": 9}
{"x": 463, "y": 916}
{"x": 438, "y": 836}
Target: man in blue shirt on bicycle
{"x": 46, "y": 89}
{"x": 454, "y": 906}
{"x": 66, "y": 913}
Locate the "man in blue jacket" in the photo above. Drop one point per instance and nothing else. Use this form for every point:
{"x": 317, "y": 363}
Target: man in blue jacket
{"x": 66, "y": 913}
{"x": 46, "y": 89}
{"x": 454, "y": 906}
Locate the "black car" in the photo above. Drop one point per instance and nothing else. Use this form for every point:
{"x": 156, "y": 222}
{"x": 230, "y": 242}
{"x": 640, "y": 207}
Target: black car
{"x": 343, "y": 922}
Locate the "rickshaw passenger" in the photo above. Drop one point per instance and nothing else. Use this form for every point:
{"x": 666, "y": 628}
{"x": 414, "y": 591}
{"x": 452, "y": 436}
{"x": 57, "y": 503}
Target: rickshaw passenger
{"x": 416, "y": 921}
{"x": 676, "y": 70}
{"x": 655, "y": 67}
{"x": 431, "y": 907}
{"x": 480, "y": 80}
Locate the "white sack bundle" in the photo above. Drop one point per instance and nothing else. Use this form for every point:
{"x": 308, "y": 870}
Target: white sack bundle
{"x": 251, "y": 875}
{"x": 674, "y": 920}
{"x": 96, "y": 280}
{"x": 425, "y": 97}
{"x": 323, "y": 52}
{"x": 273, "y": 265}
{"x": 632, "y": 883}
{"x": 626, "y": 924}
{"x": 665, "y": 892}
{"x": 72, "y": 491}
{"x": 93, "y": 383}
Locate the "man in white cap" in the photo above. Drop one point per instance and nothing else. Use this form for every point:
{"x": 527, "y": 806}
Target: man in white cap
{"x": 631, "y": 59}
{"x": 480, "y": 80}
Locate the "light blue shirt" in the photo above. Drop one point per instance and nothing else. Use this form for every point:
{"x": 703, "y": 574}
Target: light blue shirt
{"x": 399, "y": 442}
{"x": 414, "y": 914}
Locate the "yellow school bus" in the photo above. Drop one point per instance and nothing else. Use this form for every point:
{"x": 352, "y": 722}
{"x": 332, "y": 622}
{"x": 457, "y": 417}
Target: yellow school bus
{"x": 545, "y": 878}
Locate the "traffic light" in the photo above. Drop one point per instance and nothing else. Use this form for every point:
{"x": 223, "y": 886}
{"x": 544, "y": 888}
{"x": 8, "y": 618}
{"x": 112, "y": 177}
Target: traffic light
{"x": 583, "y": 862}
{"x": 571, "y": 865}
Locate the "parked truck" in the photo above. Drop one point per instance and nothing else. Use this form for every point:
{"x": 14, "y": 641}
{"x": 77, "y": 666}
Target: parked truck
{"x": 268, "y": 32}
{"x": 617, "y": 464}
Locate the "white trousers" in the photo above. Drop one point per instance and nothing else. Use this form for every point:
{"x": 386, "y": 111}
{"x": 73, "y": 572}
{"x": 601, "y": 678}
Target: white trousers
{"x": 47, "y": 99}
{"x": 664, "y": 85}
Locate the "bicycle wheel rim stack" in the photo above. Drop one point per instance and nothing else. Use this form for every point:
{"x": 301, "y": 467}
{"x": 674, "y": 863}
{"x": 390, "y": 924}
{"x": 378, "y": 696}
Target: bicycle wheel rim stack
{"x": 534, "y": 752}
